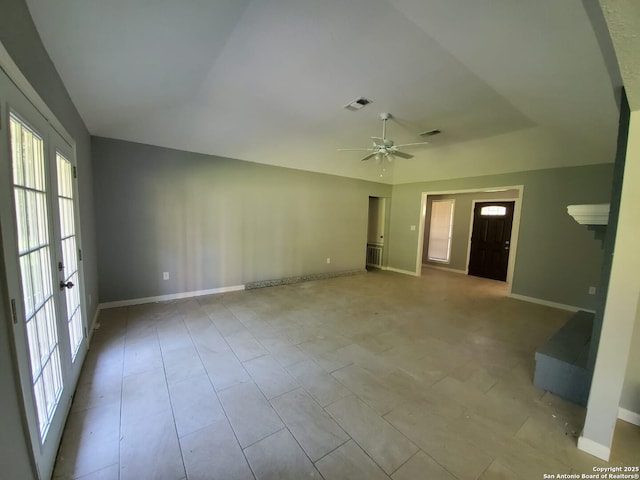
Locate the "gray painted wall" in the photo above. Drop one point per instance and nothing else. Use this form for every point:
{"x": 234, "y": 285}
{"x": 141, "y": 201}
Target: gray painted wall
{"x": 213, "y": 222}
{"x": 462, "y": 214}
{"x": 20, "y": 38}
{"x": 557, "y": 259}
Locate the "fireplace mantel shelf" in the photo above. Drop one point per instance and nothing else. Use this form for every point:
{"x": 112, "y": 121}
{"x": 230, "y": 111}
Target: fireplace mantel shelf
{"x": 593, "y": 214}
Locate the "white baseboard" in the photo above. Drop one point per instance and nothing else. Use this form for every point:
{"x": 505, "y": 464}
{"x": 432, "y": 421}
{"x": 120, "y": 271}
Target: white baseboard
{"x": 539, "y": 301}
{"x": 172, "y": 296}
{"x": 446, "y": 269}
{"x": 629, "y": 416}
{"x": 397, "y": 270}
{"x": 594, "y": 448}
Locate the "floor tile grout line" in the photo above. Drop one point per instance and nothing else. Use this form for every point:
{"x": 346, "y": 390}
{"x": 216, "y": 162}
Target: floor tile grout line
{"x": 124, "y": 346}
{"x": 242, "y": 363}
{"x": 336, "y": 448}
{"x": 284, "y": 427}
{"x": 436, "y": 462}
{"x": 171, "y": 401}
{"x": 274, "y": 410}
{"x": 363, "y": 449}
{"x": 406, "y": 461}
{"x": 354, "y": 393}
{"x": 155, "y": 333}
{"x": 226, "y": 417}
{"x": 326, "y": 413}
{"x": 218, "y": 398}
{"x": 486, "y": 469}
{"x": 294, "y": 439}
{"x": 80, "y": 411}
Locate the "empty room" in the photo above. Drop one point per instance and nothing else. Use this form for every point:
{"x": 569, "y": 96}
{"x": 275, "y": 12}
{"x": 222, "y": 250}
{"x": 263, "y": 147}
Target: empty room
{"x": 271, "y": 239}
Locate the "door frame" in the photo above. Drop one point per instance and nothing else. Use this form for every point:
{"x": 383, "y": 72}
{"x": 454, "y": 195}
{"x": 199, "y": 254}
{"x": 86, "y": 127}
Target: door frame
{"x": 31, "y": 431}
{"x": 515, "y": 229}
{"x": 385, "y": 227}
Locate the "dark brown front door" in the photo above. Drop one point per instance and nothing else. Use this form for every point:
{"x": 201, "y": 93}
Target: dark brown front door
{"x": 491, "y": 239}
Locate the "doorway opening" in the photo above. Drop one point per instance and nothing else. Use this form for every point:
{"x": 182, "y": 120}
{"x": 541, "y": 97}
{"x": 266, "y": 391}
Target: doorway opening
{"x": 462, "y": 227}
{"x": 375, "y": 232}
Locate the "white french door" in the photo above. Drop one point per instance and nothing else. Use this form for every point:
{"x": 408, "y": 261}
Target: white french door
{"x": 68, "y": 238}
{"x": 38, "y": 206}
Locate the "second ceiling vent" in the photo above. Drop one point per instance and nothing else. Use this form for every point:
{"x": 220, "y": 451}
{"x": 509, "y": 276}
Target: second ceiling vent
{"x": 430, "y": 133}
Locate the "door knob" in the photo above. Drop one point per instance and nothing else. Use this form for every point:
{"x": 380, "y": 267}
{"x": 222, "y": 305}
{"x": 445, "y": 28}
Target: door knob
{"x": 69, "y": 284}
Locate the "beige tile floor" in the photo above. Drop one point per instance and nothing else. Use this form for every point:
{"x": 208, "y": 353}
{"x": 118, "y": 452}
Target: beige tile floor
{"x": 372, "y": 376}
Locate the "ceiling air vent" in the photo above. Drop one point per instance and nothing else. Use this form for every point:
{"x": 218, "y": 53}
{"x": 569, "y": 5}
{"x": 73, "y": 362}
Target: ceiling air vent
{"x": 357, "y": 104}
{"x": 430, "y": 133}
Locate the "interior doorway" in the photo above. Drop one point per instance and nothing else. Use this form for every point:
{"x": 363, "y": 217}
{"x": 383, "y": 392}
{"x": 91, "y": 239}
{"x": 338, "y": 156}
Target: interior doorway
{"x": 491, "y": 239}
{"x": 465, "y": 201}
{"x": 375, "y": 231}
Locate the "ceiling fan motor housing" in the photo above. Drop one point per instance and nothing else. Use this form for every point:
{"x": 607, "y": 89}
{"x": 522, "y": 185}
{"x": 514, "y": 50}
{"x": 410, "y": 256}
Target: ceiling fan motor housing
{"x": 384, "y": 147}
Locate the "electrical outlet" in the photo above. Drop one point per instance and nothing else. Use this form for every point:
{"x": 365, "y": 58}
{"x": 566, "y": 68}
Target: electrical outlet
{"x": 413, "y": 228}
{"x": 165, "y": 275}
{"x": 328, "y": 260}
{"x": 592, "y": 290}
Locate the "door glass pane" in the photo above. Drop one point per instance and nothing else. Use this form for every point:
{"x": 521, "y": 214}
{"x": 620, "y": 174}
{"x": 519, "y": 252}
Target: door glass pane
{"x": 493, "y": 210}
{"x": 69, "y": 251}
{"x": 29, "y": 189}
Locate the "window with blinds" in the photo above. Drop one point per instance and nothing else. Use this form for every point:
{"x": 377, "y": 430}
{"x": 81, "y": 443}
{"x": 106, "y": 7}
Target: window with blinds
{"x": 440, "y": 230}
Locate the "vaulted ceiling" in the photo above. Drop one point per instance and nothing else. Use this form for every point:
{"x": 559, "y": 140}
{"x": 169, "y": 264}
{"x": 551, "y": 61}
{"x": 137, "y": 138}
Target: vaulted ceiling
{"x": 267, "y": 80}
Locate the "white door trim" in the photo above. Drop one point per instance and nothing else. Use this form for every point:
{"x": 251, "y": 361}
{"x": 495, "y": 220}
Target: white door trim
{"x": 515, "y": 229}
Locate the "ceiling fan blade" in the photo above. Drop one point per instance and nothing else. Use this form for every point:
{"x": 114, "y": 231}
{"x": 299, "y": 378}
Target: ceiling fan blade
{"x": 397, "y": 153}
{"x": 368, "y": 156}
{"x": 355, "y": 150}
{"x": 412, "y": 144}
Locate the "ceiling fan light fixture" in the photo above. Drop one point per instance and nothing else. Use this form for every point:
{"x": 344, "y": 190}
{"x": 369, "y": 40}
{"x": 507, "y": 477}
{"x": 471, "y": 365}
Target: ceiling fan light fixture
{"x": 384, "y": 147}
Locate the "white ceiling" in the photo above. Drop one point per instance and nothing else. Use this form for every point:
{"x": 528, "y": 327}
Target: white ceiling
{"x": 623, "y": 19}
{"x": 266, "y": 80}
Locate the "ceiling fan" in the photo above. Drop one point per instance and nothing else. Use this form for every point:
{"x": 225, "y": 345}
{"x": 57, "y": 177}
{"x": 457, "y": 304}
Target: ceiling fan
{"x": 384, "y": 147}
